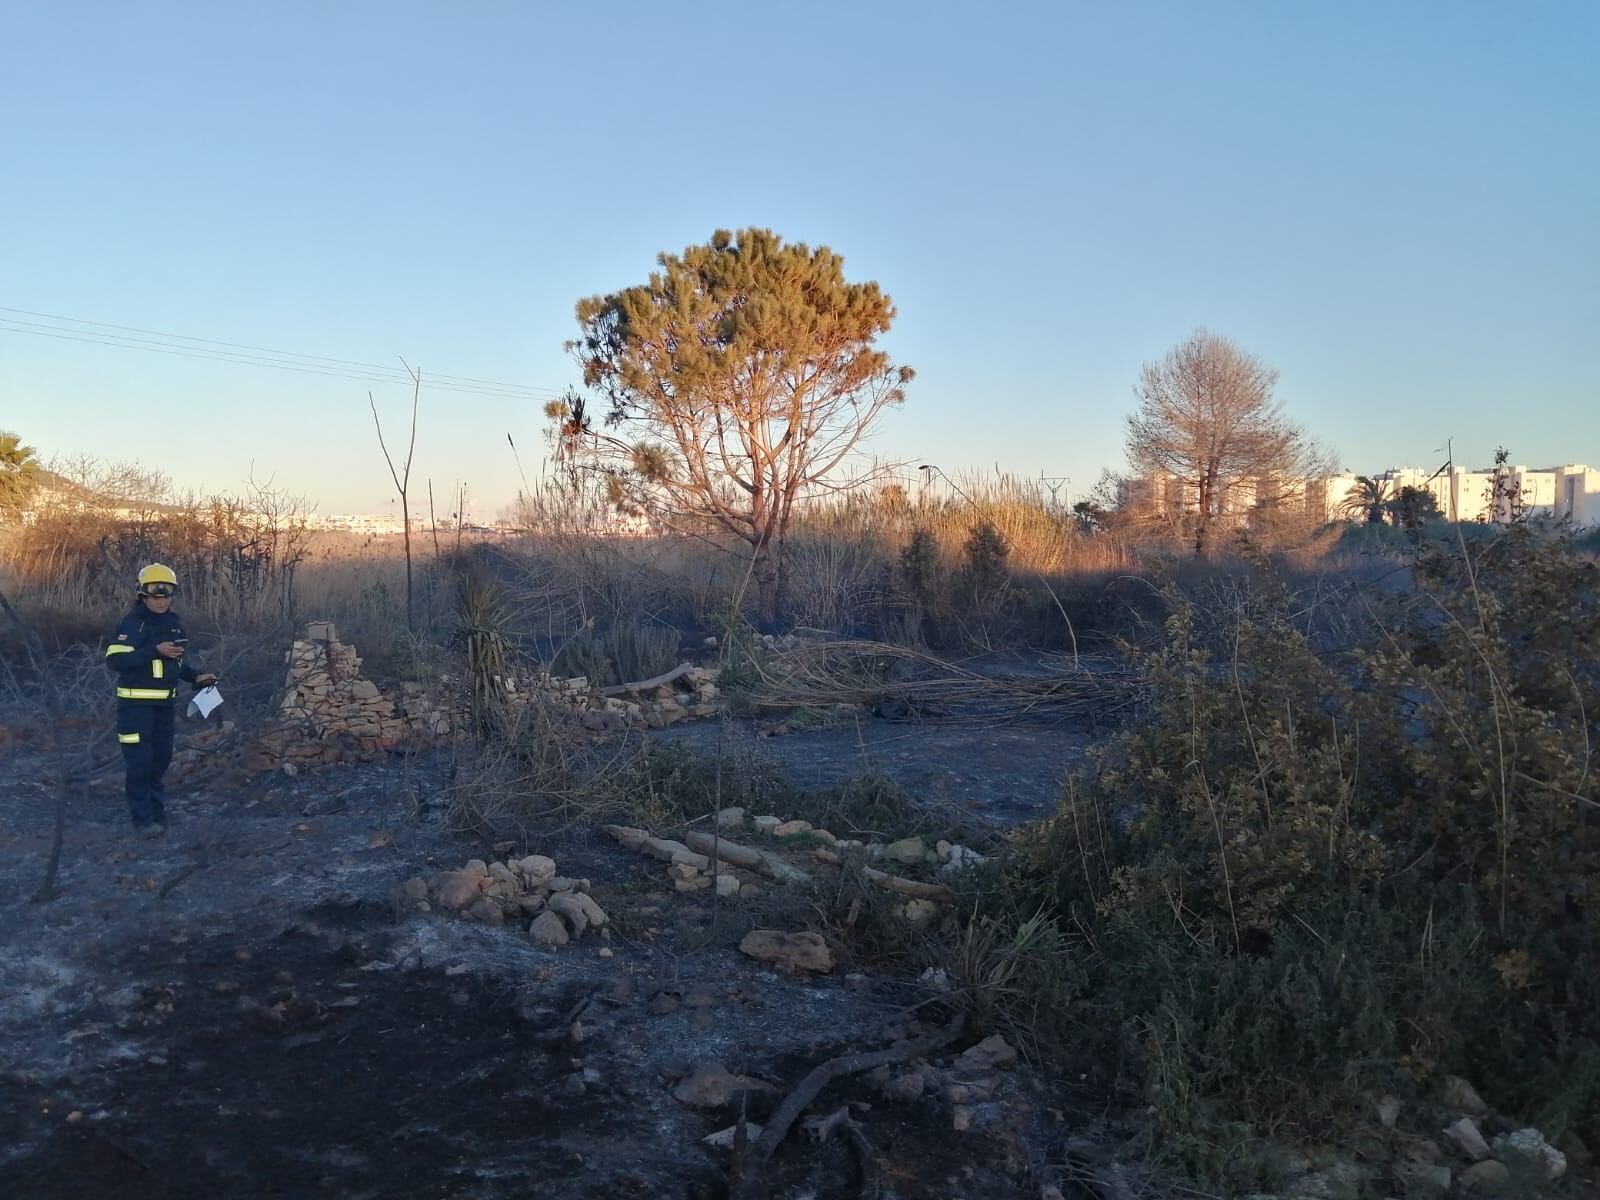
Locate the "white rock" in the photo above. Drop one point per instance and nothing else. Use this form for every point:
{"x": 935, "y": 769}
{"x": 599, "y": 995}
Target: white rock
{"x": 1460, "y": 1095}
{"x": 907, "y": 850}
{"x": 791, "y": 829}
{"x": 1466, "y": 1138}
{"x": 536, "y": 869}
{"x": 724, "y": 1139}
{"x": 1529, "y": 1146}
{"x": 727, "y": 885}
{"x": 579, "y": 909}
{"x": 963, "y": 859}
{"x": 549, "y": 930}
{"x": 766, "y": 824}
{"x": 730, "y": 818}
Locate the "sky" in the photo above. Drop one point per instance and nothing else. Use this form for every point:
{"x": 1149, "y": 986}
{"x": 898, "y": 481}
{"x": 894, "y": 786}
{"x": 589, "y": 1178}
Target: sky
{"x": 1396, "y": 205}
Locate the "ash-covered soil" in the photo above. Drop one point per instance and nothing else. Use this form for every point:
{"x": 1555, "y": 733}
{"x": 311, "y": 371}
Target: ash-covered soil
{"x": 244, "y": 1009}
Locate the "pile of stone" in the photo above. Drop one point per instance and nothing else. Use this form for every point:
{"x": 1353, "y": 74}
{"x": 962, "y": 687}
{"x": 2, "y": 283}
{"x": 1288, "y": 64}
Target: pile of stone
{"x": 557, "y": 909}
{"x": 328, "y": 713}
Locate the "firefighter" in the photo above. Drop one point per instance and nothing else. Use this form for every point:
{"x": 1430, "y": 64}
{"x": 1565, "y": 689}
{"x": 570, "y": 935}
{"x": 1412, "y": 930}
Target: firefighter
{"x": 147, "y": 653}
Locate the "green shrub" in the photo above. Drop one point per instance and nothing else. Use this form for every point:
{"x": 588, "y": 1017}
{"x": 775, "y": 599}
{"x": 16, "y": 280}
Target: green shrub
{"x": 1314, "y": 870}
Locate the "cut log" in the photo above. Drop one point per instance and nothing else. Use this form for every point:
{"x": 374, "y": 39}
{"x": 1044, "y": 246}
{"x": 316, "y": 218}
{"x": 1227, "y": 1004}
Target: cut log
{"x": 894, "y": 883}
{"x": 662, "y": 848}
{"x": 644, "y": 685}
{"x": 745, "y": 856}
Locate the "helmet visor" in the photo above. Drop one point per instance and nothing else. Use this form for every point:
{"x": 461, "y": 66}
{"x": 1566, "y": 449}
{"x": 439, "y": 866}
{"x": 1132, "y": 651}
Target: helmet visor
{"x": 159, "y": 590}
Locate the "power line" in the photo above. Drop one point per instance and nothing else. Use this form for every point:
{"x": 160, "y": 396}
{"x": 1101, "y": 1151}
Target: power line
{"x": 220, "y": 351}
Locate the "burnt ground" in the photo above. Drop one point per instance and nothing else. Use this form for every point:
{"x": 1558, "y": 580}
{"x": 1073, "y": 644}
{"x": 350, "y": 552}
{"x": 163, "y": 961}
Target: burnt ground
{"x": 990, "y": 772}
{"x": 242, "y": 1009}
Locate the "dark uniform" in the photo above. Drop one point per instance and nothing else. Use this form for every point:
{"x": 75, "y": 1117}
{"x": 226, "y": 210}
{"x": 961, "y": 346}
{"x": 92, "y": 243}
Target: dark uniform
{"x": 147, "y": 690}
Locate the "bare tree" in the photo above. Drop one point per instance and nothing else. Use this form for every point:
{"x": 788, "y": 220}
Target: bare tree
{"x": 741, "y": 376}
{"x": 402, "y": 475}
{"x": 1207, "y": 422}
{"x": 73, "y": 691}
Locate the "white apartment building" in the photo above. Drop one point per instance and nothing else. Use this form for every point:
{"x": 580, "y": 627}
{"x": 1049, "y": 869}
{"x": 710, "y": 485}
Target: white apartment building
{"x": 1567, "y": 493}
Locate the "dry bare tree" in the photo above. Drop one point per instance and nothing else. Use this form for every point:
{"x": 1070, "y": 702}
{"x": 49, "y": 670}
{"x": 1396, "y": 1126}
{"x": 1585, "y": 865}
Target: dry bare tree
{"x": 740, "y": 377}
{"x": 402, "y": 475}
{"x": 1207, "y": 421}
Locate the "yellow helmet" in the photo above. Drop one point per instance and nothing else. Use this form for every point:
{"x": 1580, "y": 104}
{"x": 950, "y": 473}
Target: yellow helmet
{"x": 155, "y": 575}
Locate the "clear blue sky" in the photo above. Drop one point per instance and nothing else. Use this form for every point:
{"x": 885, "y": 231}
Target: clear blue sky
{"x": 1398, "y": 205}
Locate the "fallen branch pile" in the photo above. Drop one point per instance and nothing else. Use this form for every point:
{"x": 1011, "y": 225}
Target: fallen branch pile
{"x": 815, "y": 673}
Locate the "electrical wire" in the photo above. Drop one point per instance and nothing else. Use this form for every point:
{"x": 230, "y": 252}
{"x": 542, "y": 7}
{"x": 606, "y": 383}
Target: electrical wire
{"x": 236, "y": 352}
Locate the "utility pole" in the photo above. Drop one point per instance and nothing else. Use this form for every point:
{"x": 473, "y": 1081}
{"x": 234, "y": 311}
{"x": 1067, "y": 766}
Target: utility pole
{"x": 1055, "y": 483}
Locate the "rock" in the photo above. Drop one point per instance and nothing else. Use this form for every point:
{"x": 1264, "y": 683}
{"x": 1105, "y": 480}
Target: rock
{"x": 712, "y": 1086}
{"x": 562, "y": 884}
{"x": 699, "y": 996}
{"x": 724, "y": 1139}
{"x": 1486, "y": 1179}
{"x": 696, "y": 884}
{"x": 1464, "y": 1135}
{"x": 1388, "y": 1110}
{"x": 536, "y": 870}
{"x": 365, "y": 689}
{"x": 907, "y": 850}
{"x": 727, "y": 885}
{"x": 793, "y": 951}
{"x": 607, "y": 952}
{"x": 530, "y": 905}
{"x": 942, "y": 848}
{"x": 1423, "y": 1179}
{"x": 457, "y": 889}
{"x": 766, "y": 824}
{"x": 906, "y": 1087}
{"x": 684, "y": 871}
{"x": 920, "y": 912}
{"x": 994, "y": 1051}
{"x": 476, "y": 866}
{"x": 962, "y": 859}
{"x": 1460, "y": 1095}
{"x": 486, "y": 910}
{"x": 936, "y": 978}
{"x": 730, "y": 818}
{"x": 415, "y": 888}
{"x": 791, "y": 829}
{"x": 1528, "y": 1146}
{"x": 548, "y": 930}
{"x": 961, "y": 1118}
{"x": 580, "y": 911}
{"x": 822, "y": 835}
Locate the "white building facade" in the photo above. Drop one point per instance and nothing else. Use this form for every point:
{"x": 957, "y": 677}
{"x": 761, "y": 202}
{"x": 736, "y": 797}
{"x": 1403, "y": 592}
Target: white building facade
{"x": 1568, "y": 493}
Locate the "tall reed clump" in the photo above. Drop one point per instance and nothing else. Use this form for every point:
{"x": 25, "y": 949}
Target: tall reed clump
{"x": 1324, "y": 868}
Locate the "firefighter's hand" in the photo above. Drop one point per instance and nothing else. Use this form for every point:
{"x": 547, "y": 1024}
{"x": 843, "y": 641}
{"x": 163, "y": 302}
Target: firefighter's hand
{"x": 169, "y": 650}
{"x": 204, "y": 680}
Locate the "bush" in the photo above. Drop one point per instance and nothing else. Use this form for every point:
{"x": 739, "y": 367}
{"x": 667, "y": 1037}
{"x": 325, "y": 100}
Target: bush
{"x": 1320, "y": 868}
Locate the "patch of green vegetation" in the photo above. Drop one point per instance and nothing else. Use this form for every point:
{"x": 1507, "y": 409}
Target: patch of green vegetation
{"x": 1313, "y": 873}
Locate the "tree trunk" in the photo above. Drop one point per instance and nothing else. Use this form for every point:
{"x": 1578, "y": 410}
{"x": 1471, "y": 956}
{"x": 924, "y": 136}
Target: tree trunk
{"x": 769, "y": 584}
{"x": 405, "y": 517}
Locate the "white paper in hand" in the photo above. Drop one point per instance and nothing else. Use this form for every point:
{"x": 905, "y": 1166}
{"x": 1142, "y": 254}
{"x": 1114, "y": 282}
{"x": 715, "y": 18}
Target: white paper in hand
{"x": 205, "y": 701}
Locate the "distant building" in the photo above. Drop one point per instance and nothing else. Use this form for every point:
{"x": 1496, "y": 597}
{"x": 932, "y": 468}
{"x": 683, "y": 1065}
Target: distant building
{"x": 1569, "y": 493}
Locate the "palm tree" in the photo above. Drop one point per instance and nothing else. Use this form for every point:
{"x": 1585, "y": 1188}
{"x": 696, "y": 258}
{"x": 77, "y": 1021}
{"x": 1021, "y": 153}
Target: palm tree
{"x": 19, "y": 472}
{"x": 1369, "y": 496}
